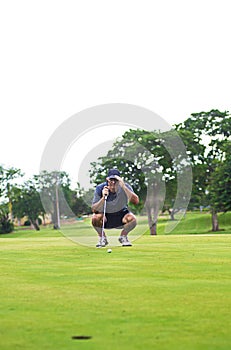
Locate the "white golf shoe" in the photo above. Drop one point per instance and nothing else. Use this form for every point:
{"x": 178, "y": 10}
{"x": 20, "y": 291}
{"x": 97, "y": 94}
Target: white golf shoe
{"x": 102, "y": 242}
{"x": 124, "y": 241}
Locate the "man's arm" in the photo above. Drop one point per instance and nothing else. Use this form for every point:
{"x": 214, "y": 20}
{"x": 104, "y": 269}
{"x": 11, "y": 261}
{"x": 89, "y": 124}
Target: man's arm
{"x": 98, "y": 205}
{"x": 132, "y": 197}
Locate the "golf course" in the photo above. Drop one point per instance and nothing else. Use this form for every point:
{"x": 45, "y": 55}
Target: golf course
{"x": 170, "y": 291}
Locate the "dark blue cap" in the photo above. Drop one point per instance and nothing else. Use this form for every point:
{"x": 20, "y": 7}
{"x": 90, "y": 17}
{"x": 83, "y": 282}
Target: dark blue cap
{"x": 112, "y": 173}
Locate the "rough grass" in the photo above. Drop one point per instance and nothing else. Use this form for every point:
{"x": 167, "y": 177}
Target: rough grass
{"x": 197, "y": 223}
{"x": 165, "y": 292}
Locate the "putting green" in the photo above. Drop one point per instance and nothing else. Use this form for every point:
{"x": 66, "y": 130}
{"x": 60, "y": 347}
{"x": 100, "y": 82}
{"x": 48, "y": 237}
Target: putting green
{"x": 165, "y": 292}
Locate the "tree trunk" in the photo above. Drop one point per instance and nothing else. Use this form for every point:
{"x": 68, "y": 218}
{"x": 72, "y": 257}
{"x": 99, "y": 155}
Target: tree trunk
{"x": 215, "y": 224}
{"x": 54, "y": 221}
{"x": 36, "y": 226}
{"x": 153, "y": 230}
{"x": 151, "y": 222}
{"x": 172, "y": 214}
{"x": 44, "y": 219}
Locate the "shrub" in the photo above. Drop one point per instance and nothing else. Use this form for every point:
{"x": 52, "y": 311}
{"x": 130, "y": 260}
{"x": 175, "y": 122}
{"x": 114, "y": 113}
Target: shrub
{"x": 27, "y": 223}
{"x": 39, "y": 221}
{"x": 6, "y": 225}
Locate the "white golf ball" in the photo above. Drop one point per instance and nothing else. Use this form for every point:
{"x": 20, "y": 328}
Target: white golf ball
{"x": 109, "y": 250}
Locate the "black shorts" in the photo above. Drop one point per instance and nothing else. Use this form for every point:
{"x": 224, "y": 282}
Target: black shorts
{"x": 114, "y": 220}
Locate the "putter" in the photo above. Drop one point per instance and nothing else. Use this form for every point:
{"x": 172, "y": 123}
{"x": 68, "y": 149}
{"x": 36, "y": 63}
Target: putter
{"x": 104, "y": 212}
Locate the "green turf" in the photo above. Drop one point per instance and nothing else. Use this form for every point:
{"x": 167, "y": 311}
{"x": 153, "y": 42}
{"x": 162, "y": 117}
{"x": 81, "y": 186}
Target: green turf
{"x": 165, "y": 292}
{"x": 196, "y": 223}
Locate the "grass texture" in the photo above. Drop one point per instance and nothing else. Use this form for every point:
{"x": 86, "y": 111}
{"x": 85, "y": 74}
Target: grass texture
{"x": 165, "y": 292}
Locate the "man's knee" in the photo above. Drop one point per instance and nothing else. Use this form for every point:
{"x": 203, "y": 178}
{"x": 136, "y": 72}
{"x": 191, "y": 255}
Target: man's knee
{"x": 129, "y": 218}
{"x": 97, "y": 220}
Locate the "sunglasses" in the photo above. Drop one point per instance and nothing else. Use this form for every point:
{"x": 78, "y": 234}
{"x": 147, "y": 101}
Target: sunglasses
{"x": 112, "y": 181}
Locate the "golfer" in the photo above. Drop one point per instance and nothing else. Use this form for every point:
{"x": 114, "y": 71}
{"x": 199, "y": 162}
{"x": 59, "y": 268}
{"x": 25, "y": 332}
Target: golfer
{"x": 117, "y": 194}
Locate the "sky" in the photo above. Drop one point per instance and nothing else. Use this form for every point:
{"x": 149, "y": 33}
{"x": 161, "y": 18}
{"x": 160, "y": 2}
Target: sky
{"x": 59, "y": 58}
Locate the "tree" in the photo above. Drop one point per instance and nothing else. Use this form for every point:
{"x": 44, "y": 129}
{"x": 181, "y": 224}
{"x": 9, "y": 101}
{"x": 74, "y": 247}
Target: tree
{"x": 211, "y": 130}
{"x": 6, "y": 225}
{"x": 195, "y": 150}
{"x": 54, "y": 190}
{"x": 28, "y": 203}
{"x": 7, "y": 180}
{"x": 220, "y": 186}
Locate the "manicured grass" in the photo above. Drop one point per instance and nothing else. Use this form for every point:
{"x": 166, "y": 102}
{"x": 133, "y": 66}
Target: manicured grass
{"x": 196, "y": 223}
{"x": 166, "y": 292}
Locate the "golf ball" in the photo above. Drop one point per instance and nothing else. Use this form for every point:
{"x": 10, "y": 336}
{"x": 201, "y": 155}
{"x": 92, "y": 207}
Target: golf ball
{"x": 109, "y": 250}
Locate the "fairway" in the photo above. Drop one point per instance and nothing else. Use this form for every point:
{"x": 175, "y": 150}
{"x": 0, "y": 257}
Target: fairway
{"x": 165, "y": 292}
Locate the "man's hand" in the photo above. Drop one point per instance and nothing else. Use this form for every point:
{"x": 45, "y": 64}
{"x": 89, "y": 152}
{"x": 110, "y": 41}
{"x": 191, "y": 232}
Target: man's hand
{"x": 132, "y": 197}
{"x": 105, "y": 191}
{"x": 120, "y": 180}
